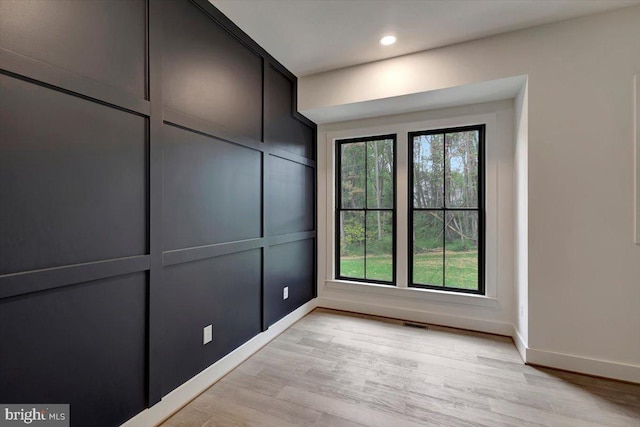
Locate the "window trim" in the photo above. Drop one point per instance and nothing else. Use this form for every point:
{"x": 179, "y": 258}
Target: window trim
{"x": 338, "y": 209}
{"x": 498, "y": 214}
{"x": 481, "y": 128}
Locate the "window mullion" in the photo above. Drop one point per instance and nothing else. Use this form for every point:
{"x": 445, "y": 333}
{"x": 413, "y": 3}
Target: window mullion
{"x": 366, "y": 202}
{"x": 444, "y": 211}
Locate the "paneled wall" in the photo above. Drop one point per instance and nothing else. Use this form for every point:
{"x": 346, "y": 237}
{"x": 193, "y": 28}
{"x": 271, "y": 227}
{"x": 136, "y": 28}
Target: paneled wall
{"x": 155, "y": 178}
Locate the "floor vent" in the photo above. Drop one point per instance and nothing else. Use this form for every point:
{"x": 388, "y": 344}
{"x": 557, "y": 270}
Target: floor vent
{"x": 415, "y": 325}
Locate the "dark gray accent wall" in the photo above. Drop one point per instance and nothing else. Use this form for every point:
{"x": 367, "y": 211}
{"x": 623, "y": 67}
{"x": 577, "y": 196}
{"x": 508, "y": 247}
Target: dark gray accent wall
{"x": 73, "y": 179}
{"x": 292, "y": 265}
{"x": 230, "y": 284}
{"x": 208, "y": 73}
{"x": 282, "y": 130}
{"x": 289, "y": 200}
{"x": 83, "y": 345}
{"x": 104, "y": 40}
{"x": 155, "y": 178}
{"x": 212, "y": 190}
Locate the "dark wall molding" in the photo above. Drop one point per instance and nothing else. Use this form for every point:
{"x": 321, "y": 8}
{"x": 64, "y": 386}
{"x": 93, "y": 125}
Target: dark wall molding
{"x": 40, "y": 280}
{"x": 23, "y": 67}
{"x": 195, "y": 124}
{"x": 60, "y": 159}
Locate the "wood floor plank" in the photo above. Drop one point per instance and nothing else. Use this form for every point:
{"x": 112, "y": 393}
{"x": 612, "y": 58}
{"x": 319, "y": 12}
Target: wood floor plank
{"x": 340, "y": 408}
{"x": 327, "y": 420}
{"x": 188, "y": 417}
{"x": 530, "y": 414}
{"x": 333, "y": 369}
{"x": 253, "y": 382}
{"x": 228, "y": 412}
{"x": 291, "y": 413}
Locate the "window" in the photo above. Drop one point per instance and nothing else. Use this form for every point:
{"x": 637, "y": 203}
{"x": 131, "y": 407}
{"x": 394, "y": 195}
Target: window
{"x": 446, "y": 216}
{"x": 365, "y": 209}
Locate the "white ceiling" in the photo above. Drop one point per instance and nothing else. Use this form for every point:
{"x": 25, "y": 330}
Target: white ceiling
{"x": 311, "y": 36}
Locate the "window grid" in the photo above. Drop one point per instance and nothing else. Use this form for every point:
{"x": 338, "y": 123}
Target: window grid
{"x": 445, "y": 209}
{"x": 340, "y": 209}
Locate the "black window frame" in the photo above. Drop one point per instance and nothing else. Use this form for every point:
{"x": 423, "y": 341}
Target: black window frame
{"x": 481, "y": 128}
{"x": 338, "y": 208}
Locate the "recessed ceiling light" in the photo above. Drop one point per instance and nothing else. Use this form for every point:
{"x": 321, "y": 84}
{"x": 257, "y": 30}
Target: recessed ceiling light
{"x": 387, "y": 40}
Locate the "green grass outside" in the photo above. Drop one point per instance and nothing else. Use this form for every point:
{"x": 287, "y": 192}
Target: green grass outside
{"x": 461, "y": 268}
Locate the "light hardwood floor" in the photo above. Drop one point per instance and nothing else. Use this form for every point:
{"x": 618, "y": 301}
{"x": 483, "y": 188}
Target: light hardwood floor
{"x": 336, "y": 369}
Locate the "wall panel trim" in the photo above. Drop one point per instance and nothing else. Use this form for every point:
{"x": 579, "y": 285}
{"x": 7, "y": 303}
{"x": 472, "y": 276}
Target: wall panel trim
{"x": 50, "y": 278}
{"x": 154, "y": 295}
{"x": 298, "y": 115}
{"x": 179, "y": 256}
{"x": 184, "y": 121}
{"x": 226, "y": 23}
{"x": 189, "y": 123}
{"x": 283, "y": 154}
{"x": 29, "y": 69}
{"x": 292, "y": 237}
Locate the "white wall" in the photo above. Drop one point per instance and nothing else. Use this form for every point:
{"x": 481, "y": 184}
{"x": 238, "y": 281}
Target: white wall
{"x": 521, "y": 219}
{"x": 491, "y": 314}
{"x": 583, "y": 265}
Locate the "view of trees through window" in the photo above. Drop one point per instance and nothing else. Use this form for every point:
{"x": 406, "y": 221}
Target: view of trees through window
{"x": 365, "y": 215}
{"x": 447, "y": 208}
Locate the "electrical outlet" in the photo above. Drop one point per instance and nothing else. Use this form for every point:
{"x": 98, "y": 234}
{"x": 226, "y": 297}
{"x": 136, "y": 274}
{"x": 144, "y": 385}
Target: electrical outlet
{"x": 207, "y": 334}
{"x": 285, "y": 292}
{"x": 522, "y": 310}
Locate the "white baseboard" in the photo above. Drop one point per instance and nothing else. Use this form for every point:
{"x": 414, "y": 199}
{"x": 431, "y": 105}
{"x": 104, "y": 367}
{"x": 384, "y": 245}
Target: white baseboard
{"x": 479, "y": 325}
{"x": 578, "y": 364}
{"x": 521, "y": 346}
{"x": 179, "y": 397}
{"x": 583, "y": 365}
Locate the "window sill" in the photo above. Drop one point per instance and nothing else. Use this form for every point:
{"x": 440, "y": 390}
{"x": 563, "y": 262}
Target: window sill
{"x": 430, "y": 295}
